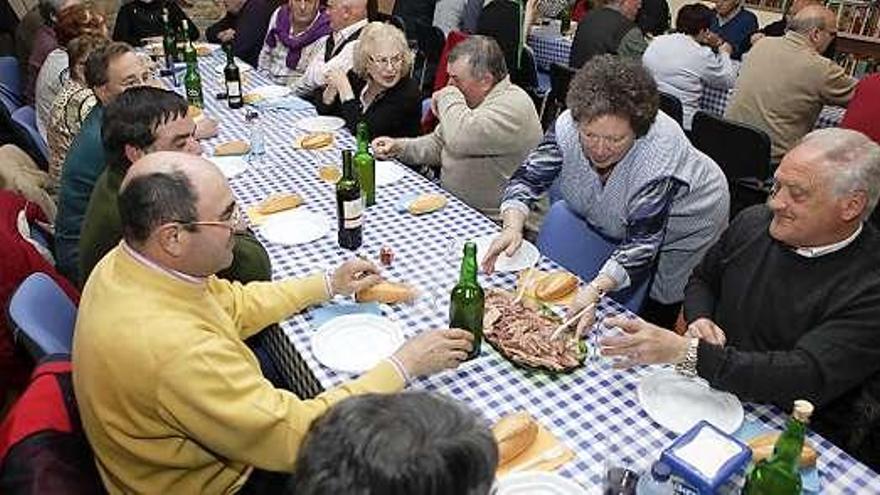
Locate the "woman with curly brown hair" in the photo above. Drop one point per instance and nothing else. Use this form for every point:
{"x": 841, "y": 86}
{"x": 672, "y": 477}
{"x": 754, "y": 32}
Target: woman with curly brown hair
{"x": 629, "y": 171}
{"x": 73, "y": 22}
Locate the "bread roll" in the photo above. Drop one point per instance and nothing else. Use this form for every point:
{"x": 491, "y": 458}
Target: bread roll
{"x": 555, "y": 286}
{"x": 251, "y": 98}
{"x": 237, "y": 147}
{"x": 762, "y": 448}
{"x": 316, "y": 140}
{"x": 514, "y": 433}
{"x": 388, "y": 293}
{"x": 279, "y": 202}
{"x": 194, "y": 112}
{"x": 426, "y": 203}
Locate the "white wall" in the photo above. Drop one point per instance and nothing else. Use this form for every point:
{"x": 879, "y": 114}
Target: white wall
{"x": 764, "y": 18}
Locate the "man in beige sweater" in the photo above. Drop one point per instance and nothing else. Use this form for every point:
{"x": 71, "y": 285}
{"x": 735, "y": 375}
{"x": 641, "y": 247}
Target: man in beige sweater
{"x": 487, "y": 126}
{"x": 784, "y": 82}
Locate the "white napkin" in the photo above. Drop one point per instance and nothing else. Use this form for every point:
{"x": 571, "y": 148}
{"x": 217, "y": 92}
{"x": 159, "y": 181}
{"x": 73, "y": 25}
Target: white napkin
{"x": 708, "y": 451}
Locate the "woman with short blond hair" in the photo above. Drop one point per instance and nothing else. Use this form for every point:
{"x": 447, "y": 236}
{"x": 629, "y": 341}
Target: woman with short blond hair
{"x": 378, "y": 89}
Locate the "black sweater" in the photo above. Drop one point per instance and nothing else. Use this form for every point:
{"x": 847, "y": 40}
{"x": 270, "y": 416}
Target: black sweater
{"x": 796, "y": 327}
{"x": 395, "y": 113}
{"x": 138, "y": 20}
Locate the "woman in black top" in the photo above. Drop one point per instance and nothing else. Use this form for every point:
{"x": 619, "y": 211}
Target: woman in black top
{"x": 378, "y": 89}
{"x": 143, "y": 19}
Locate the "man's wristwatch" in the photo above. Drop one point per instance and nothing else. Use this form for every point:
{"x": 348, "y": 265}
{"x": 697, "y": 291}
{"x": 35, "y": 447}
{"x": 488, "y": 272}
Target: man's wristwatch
{"x": 688, "y": 366}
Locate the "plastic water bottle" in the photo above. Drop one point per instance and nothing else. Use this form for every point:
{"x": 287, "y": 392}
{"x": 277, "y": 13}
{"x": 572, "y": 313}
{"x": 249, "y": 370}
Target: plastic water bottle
{"x": 258, "y": 146}
{"x": 658, "y": 483}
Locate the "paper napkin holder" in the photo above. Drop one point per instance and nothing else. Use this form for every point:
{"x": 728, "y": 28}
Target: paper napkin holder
{"x": 704, "y": 482}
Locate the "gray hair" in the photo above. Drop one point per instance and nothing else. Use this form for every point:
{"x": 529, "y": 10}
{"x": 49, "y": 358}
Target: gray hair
{"x": 852, "y": 162}
{"x": 370, "y": 37}
{"x": 484, "y": 56}
{"x": 809, "y": 18}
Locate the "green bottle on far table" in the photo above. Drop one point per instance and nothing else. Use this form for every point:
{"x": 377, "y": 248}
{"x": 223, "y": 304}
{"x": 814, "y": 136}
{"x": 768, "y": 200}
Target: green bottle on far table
{"x": 169, "y": 43}
{"x": 349, "y": 206}
{"x": 233, "y": 79}
{"x": 780, "y": 473}
{"x": 182, "y": 40}
{"x": 365, "y": 164}
{"x": 565, "y": 21}
{"x": 467, "y": 300}
{"x": 192, "y": 81}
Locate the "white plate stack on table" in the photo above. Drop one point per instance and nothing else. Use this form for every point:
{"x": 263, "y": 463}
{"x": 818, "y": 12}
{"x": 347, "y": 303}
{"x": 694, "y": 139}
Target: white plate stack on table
{"x": 678, "y": 402}
{"x": 355, "y": 343}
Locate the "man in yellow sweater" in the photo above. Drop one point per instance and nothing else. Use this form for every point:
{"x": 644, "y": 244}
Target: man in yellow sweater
{"x": 171, "y": 399}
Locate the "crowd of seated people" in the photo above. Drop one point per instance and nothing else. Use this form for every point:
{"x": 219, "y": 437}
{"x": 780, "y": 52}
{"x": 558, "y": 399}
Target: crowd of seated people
{"x": 174, "y": 286}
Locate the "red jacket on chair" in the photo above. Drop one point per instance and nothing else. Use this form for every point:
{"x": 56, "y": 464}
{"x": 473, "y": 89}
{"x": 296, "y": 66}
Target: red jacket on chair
{"x": 863, "y": 111}
{"x": 20, "y": 259}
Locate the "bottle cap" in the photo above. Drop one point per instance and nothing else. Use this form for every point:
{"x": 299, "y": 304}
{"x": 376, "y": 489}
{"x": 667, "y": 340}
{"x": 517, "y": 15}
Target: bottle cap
{"x": 802, "y": 410}
{"x": 661, "y": 471}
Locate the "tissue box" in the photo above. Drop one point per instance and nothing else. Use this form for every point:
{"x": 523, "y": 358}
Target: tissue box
{"x": 706, "y": 457}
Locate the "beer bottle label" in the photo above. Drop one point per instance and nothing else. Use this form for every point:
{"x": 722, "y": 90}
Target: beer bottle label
{"x": 353, "y": 212}
{"x": 233, "y": 89}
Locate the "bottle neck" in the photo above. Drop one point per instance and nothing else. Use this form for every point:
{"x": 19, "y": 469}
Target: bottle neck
{"x": 363, "y": 138}
{"x": 788, "y": 448}
{"x": 347, "y": 172}
{"x": 468, "y": 273}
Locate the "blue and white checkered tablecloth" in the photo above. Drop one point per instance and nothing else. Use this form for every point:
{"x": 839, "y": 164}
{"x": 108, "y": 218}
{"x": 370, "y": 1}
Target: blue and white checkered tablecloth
{"x": 594, "y": 410}
{"x": 551, "y": 47}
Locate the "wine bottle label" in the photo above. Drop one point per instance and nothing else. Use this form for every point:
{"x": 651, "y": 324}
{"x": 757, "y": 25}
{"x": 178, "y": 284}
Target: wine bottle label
{"x": 354, "y": 213}
{"x": 233, "y": 89}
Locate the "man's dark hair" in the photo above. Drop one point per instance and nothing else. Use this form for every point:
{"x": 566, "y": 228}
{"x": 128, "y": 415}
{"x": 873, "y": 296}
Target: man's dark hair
{"x": 693, "y": 18}
{"x": 155, "y": 199}
{"x": 484, "y": 56}
{"x": 133, "y": 119}
{"x": 99, "y": 61}
{"x": 612, "y": 85}
{"x": 401, "y": 444}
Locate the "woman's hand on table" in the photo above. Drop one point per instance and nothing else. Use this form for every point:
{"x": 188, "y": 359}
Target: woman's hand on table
{"x": 353, "y": 276}
{"x": 706, "y": 329}
{"x": 206, "y": 128}
{"x": 586, "y": 300}
{"x": 386, "y": 148}
{"x": 508, "y": 241}
{"x": 337, "y": 78}
{"x": 643, "y": 343}
{"x": 434, "y": 350}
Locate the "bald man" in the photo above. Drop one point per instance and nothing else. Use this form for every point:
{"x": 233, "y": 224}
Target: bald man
{"x": 336, "y": 50}
{"x": 171, "y": 399}
{"x": 784, "y": 82}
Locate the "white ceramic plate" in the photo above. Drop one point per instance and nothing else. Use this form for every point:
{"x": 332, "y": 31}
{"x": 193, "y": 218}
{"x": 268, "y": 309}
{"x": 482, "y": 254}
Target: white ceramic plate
{"x": 321, "y": 123}
{"x": 271, "y": 91}
{"x": 230, "y": 165}
{"x": 525, "y": 257}
{"x": 242, "y": 66}
{"x": 388, "y": 172}
{"x": 537, "y": 483}
{"x": 297, "y": 226}
{"x": 355, "y": 343}
{"x": 678, "y": 402}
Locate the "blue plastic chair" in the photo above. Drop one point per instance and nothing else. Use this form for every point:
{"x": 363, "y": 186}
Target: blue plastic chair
{"x": 569, "y": 240}
{"x": 10, "y": 75}
{"x": 42, "y": 316}
{"x": 26, "y": 120}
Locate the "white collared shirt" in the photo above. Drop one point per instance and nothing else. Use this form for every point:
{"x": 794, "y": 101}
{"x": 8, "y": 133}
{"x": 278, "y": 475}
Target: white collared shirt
{"x": 815, "y": 252}
{"x": 140, "y": 258}
{"x": 344, "y": 60}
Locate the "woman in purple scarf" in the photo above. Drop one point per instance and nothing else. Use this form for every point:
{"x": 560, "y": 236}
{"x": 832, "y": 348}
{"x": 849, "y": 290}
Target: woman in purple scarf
{"x": 290, "y": 43}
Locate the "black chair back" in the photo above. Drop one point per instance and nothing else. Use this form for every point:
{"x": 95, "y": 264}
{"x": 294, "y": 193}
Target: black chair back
{"x": 560, "y": 78}
{"x": 743, "y": 153}
{"x": 671, "y": 106}
{"x": 429, "y": 46}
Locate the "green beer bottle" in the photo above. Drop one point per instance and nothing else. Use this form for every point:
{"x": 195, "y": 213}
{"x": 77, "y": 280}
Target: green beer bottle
{"x": 780, "y": 473}
{"x": 192, "y": 81}
{"x": 467, "y": 301}
{"x": 349, "y": 206}
{"x": 169, "y": 43}
{"x": 365, "y": 164}
{"x": 565, "y": 21}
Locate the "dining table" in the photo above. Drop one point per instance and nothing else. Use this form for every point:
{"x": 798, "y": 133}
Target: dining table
{"x": 594, "y": 410}
{"x": 550, "y": 46}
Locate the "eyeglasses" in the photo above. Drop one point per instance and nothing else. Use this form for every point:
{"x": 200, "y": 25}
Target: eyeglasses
{"x": 234, "y": 223}
{"x": 393, "y": 61}
{"x": 610, "y": 141}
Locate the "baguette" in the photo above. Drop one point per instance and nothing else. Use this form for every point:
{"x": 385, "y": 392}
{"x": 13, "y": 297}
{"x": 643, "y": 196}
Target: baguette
{"x": 279, "y": 202}
{"x": 388, "y": 293}
{"x": 426, "y": 203}
{"x": 514, "y": 433}
{"x": 762, "y": 448}
{"x": 232, "y": 148}
{"x": 194, "y": 112}
{"x": 316, "y": 141}
{"x": 555, "y": 286}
